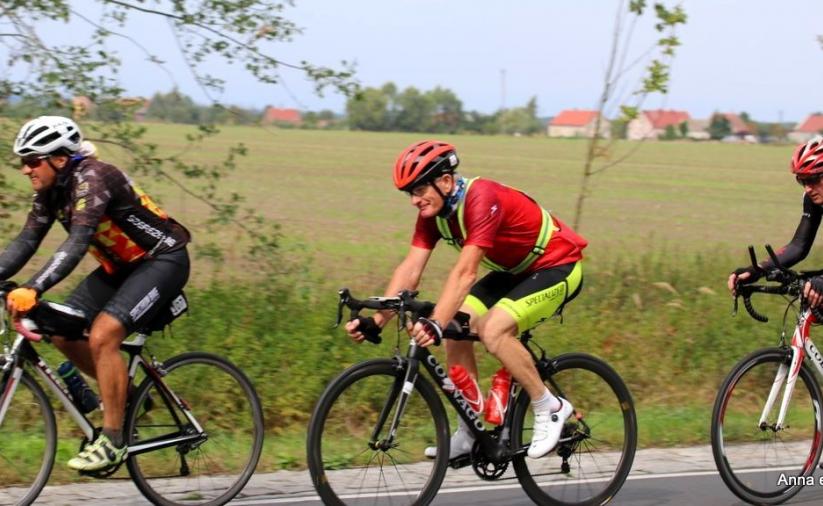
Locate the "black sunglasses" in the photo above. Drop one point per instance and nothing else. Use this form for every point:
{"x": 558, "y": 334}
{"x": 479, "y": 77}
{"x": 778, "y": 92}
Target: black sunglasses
{"x": 33, "y": 162}
{"x": 809, "y": 180}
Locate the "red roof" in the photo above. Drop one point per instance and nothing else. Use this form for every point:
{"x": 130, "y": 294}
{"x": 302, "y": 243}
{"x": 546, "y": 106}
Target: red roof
{"x": 813, "y": 124}
{"x": 275, "y": 115}
{"x": 662, "y": 118}
{"x": 574, "y": 117}
{"x": 736, "y": 123}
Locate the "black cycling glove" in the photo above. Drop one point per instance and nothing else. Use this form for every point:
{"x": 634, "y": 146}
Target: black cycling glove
{"x": 754, "y": 274}
{"x": 370, "y": 329}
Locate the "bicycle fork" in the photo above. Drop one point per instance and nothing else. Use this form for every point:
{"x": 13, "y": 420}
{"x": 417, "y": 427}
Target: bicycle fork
{"x": 400, "y": 395}
{"x": 789, "y": 373}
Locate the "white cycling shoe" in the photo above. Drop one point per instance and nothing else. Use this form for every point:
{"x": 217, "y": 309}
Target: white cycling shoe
{"x": 547, "y": 429}
{"x": 461, "y": 443}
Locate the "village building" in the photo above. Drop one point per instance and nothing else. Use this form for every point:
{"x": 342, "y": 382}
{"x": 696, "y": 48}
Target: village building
{"x": 577, "y": 123}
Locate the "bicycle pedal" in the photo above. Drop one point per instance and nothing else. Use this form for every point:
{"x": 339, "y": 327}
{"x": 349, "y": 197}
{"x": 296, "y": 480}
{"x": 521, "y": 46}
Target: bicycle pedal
{"x": 461, "y": 461}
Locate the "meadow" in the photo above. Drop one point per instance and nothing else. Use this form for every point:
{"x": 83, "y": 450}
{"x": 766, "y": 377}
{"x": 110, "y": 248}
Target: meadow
{"x": 665, "y": 227}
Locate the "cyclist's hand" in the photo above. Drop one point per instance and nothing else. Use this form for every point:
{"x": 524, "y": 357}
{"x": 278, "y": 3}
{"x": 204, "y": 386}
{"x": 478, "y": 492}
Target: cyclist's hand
{"x": 427, "y": 332}
{"x": 743, "y": 276}
{"x": 813, "y": 291}
{"x": 363, "y": 328}
{"x": 21, "y": 300}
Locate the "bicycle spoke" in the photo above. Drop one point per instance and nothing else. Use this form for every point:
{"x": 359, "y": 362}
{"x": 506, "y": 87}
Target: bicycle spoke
{"x": 381, "y": 474}
{"x": 28, "y": 439}
{"x": 213, "y": 467}
{"x": 594, "y": 455}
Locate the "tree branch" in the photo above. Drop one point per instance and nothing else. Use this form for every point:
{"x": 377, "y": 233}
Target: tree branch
{"x": 220, "y": 34}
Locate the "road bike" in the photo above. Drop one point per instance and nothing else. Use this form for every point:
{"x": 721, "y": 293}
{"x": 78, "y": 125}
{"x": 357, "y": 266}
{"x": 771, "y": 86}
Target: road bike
{"x": 766, "y": 426}
{"x": 193, "y": 423}
{"x": 369, "y": 429}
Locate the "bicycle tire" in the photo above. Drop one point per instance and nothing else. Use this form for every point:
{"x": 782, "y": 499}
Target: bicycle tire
{"x": 218, "y": 394}
{"x": 599, "y": 440}
{"x": 28, "y": 407}
{"x": 751, "y": 458}
{"x": 339, "y": 453}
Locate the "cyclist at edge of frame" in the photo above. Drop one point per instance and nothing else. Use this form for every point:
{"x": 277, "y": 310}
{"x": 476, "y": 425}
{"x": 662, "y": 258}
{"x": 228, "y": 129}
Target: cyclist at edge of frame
{"x": 142, "y": 252}
{"x": 807, "y": 166}
{"x": 535, "y": 263}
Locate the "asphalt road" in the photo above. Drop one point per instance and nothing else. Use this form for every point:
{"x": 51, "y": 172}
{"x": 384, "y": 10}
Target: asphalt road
{"x": 666, "y": 476}
{"x": 704, "y": 488}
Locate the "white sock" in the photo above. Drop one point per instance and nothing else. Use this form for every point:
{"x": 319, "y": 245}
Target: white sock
{"x": 548, "y": 402}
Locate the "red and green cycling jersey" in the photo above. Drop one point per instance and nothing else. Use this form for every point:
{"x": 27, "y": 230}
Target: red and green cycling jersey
{"x": 104, "y": 213}
{"x": 508, "y": 225}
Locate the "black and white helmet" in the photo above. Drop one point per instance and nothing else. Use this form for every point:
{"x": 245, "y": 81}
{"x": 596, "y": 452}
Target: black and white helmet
{"x": 47, "y": 134}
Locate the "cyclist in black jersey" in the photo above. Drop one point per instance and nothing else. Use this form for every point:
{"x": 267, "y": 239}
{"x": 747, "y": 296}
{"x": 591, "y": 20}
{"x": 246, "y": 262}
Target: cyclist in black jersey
{"x": 142, "y": 251}
{"x": 807, "y": 167}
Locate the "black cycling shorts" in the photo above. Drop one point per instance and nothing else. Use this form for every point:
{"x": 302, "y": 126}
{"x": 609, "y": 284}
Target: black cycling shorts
{"x": 134, "y": 294}
{"x": 530, "y": 299}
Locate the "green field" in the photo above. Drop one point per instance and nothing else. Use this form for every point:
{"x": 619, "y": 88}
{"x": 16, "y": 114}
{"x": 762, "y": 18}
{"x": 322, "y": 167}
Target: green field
{"x": 665, "y": 228}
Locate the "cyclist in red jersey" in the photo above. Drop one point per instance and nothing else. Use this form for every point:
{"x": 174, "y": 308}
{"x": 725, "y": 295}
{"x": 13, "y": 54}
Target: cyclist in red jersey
{"x": 535, "y": 263}
{"x": 142, "y": 251}
{"x": 807, "y": 166}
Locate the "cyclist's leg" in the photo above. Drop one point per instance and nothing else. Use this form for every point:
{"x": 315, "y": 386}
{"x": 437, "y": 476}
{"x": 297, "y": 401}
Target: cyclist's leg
{"x": 105, "y": 337}
{"x": 532, "y": 301}
{"x": 141, "y": 295}
{"x": 89, "y": 296}
{"x": 483, "y": 295}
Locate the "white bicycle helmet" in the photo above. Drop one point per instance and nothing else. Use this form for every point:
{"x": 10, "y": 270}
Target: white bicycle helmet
{"x": 47, "y": 134}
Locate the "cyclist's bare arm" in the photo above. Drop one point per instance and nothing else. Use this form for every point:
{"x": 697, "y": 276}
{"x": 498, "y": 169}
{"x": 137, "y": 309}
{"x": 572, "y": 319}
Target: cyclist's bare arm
{"x": 461, "y": 278}
{"x": 406, "y": 277}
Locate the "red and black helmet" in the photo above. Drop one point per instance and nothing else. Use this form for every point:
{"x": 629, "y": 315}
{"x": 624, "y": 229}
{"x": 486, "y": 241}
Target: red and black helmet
{"x": 423, "y": 162}
{"x": 808, "y": 158}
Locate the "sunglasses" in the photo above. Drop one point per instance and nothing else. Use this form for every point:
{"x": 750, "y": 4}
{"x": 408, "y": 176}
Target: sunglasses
{"x": 809, "y": 180}
{"x": 33, "y": 162}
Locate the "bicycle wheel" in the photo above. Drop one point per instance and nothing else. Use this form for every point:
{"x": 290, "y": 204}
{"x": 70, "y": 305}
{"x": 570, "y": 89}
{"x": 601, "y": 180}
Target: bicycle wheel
{"x": 28, "y": 441}
{"x": 351, "y": 465}
{"x": 759, "y": 464}
{"x": 597, "y": 445}
{"x": 210, "y": 470}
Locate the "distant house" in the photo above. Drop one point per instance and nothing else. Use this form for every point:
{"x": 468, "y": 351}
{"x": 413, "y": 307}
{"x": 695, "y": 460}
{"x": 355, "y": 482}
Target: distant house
{"x": 577, "y": 123}
{"x": 739, "y": 127}
{"x": 811, "y": 126}
{"x": 274, "y": 115}
{"x": 652, "y": 124}
{"x": 81, "y": 106}
{"x": 698, "y": 129}
{"x": 139, "y": 106}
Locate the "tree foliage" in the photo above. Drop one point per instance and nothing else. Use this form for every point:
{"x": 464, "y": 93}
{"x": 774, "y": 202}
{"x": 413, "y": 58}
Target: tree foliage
{"x": 43, "y": 76}
{"x": 719, "y": 126}
{"x": 435, "y": 111}
{"x": 655, "y": 79}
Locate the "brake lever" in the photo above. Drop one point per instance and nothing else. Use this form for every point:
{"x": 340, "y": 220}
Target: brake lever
{"x": 344, "y": 298}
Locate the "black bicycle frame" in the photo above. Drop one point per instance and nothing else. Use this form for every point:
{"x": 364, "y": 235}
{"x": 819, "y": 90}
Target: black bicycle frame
{"x": 496, "y": 450}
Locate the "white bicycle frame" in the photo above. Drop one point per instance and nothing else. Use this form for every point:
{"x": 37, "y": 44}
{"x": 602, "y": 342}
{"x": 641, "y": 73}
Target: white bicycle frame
{"x": 801, "y": 346}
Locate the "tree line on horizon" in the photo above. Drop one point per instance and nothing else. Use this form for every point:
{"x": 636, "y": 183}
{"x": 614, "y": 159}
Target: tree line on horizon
{"x": 383, "y": 109}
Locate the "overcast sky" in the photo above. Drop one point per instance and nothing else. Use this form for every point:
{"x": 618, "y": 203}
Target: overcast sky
{"x": 759, "y": 56}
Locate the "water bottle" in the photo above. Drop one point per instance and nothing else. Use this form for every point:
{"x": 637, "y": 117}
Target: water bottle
{"x": 467, "y": 386}
{"x": 84, "y": 398}
{"x": 498, "y": 400}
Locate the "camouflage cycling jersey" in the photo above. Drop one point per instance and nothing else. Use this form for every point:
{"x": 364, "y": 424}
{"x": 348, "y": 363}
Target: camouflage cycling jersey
{"x": 104, "y": 213}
